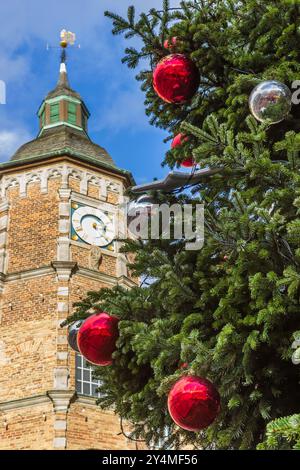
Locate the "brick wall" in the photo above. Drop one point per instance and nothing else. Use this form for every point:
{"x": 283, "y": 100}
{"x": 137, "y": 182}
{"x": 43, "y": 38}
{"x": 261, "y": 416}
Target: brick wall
{"x": 81, "y": 255}
{"x": 93, "y": 191}
{"x": 100, "y": 429}
{"x": 74, "y": 184}
{"x": 108, "y": 265}
{"x": 112, "y": 197}
{"x": 27, "y": 428}
{"x": 27, "y": 337}
{"x": 33, "y": 229}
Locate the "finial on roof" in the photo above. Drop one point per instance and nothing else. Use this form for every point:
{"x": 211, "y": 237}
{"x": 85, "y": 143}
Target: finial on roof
{"x": 66, "y": 38}
{"x": 63, "y": 80}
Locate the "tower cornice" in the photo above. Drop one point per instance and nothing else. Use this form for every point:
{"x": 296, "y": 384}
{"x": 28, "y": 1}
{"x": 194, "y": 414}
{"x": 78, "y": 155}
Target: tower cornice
{"x": 67, "y": 155}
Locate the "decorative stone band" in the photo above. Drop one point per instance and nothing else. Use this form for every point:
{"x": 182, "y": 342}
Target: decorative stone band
{"x": 4, "y": 208}
{"x": 63, "y": 270}
{"x": 57, "y": 397}
{"x": 24, "y": 402}
{"x": 61, "y": 400}
{"x": 63, "y": 171}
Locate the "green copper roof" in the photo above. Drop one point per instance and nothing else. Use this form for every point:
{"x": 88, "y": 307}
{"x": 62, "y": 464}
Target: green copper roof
{"x": 71, "y": 153}
{"x": 58, "y": 138}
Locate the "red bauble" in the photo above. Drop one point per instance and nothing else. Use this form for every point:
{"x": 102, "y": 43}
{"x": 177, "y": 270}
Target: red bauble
{"x": 170, "y": 44}
{"x": 193, "y": 403}
{"x": 184, "y": 365}
{"x": 176, "y": 79}
{"x": 97, "y": 338}
{"x": 178, "y": 140}
{"x": 188, "y": 163}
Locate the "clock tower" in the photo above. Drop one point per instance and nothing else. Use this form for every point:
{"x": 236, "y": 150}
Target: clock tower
{"x": 59, "y": 218}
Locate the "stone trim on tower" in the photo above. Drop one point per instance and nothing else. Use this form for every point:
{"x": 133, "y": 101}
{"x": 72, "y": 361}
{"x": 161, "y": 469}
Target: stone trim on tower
{"x": 4, "y": 210}
{"x": 61, "y": 402}
{"x": 43, "y": 175}
{"x": 63, "y": 241}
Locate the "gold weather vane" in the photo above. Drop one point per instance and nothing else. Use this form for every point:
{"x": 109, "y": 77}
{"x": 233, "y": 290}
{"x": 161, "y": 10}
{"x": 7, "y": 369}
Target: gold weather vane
{"x": 67, "y": 38}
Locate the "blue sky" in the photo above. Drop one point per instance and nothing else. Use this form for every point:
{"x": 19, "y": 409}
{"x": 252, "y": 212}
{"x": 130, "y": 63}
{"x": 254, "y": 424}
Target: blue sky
{"x": 118, "y": 121}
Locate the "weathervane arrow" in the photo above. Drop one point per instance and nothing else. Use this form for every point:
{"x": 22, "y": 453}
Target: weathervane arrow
{"x": 67, "y": 38}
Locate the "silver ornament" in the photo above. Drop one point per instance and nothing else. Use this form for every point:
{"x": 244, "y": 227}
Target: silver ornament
{"x": 144, "y": 213}
{"x": 296, "y": 354}
{"x": 72, "y": 334}
{"x": 270, "y": 100}
{"x": 142, "y": 207}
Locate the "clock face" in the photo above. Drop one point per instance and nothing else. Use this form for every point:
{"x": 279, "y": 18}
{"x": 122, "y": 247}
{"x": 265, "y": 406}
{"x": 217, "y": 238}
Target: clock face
{"x": 93, "y": 226}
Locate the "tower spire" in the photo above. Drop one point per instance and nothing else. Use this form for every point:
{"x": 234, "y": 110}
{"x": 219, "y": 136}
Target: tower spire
{"x": 63, "y": 80}
{"x": 66, "y": 38}
{"x": 63, "y": 107}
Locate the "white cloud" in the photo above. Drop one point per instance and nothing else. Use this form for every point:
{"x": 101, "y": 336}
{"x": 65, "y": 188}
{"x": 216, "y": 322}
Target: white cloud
{"x": 13, "y": 68}
{"x": 126, "y": 110}
{"x": 11, "y": 140}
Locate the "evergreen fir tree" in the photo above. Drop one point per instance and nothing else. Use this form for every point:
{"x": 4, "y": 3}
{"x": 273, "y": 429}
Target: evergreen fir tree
{"x": 229, "y": 310}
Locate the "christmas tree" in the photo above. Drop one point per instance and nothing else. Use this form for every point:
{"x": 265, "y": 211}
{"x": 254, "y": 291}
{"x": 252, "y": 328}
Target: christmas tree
{"x": 230, "y": 311}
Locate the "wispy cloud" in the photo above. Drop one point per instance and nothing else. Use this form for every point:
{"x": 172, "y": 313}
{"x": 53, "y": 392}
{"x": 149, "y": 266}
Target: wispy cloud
{"x": 11, "y": 140}
{"x": 125, "y": 111}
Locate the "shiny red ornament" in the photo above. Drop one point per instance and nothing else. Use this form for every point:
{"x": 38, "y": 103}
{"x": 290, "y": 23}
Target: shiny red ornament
{"x": 176, "y": 79}
{"x": 97, "y": 338}
{"x": 188, "y": 163}
{"x": 178, "y": 140}
{"x": 193, "y": 403}
{"x": 170, "y": 44}
{"x": 184, "y": 365}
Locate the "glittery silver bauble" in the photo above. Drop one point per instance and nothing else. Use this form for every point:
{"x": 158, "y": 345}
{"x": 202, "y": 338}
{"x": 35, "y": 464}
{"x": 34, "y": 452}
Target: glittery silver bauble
{"x": 296, "y": 354}
{"x": 270, "y": 100}
{"x": 142, "y": 207}
{"x": 72, "y": 334}
{"x": 144, "y": 213}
